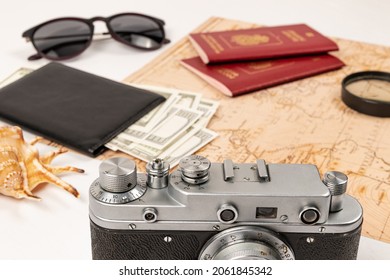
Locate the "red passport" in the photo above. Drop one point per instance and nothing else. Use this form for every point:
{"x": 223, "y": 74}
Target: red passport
{"x": 260, "y": 43}
{"x": 234, "y": 79}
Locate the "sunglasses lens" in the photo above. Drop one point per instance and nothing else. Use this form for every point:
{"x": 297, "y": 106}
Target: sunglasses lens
{"x": 138, "y": 31}
{"x": 62, "y": 39}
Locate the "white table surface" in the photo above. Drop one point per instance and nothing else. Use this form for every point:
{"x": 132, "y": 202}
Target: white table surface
{"x": 58, "y": 227}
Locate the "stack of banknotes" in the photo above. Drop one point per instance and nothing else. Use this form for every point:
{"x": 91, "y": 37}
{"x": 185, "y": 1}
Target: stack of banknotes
{"x": 174, "y": 129}
{"x": 21, "y": 72}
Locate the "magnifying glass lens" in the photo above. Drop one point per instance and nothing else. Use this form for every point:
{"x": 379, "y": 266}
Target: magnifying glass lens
{"x": 371, "y": 89}
{"x": 368, "y": 92}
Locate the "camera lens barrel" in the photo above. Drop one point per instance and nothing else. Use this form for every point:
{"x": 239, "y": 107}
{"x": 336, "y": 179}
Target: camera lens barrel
{"x": 248, "y": 251}
{"x": 246, "y": 243}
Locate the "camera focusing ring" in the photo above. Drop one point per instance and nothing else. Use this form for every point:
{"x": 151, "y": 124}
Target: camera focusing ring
{"x": 247, "y": 251}
{"x": 246, "y": 242}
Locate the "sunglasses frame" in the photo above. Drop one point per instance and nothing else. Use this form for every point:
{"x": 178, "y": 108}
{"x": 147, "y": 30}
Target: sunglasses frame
{"x": 29, "y": 34}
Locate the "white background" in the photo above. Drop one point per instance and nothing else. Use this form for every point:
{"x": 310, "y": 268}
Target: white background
{"x": 57, "y": 227}
{"x": 363, "y": 20}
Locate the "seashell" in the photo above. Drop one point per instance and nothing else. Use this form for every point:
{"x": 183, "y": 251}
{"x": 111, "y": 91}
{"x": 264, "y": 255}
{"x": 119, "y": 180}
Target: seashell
{"x": 22, "y": 169}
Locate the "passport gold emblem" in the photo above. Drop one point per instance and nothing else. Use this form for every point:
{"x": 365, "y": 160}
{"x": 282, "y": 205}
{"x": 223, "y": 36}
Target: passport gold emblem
{"x": 249, "y": 40}
{"x": 259, "y": 65}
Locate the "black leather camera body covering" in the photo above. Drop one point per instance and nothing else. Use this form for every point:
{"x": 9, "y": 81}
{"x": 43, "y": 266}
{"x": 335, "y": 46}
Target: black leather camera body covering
{"x": 108, "y": 244}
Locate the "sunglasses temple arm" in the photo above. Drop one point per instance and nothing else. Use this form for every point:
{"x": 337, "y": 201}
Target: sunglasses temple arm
{"x": 34, "y": 57}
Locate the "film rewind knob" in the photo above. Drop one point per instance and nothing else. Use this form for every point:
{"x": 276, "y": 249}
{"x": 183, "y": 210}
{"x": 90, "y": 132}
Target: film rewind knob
{"x": 337, "y": 184}
{"x": 118, "y": 182}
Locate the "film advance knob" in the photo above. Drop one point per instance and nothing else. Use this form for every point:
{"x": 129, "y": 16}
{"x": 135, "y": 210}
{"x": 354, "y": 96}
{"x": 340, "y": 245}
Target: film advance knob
{"x": 117, "y": 175}
{"x": 194, "y": 169}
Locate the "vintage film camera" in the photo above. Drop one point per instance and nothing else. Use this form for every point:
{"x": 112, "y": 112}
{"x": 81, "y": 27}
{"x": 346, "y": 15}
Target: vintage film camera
{"x": 222, "y": 211}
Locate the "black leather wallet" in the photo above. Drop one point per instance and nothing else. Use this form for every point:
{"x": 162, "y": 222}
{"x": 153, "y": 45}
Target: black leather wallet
{"x": 74, "y": 108}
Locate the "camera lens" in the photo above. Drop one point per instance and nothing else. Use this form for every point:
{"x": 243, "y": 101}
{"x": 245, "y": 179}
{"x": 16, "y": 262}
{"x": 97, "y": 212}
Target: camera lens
{"x": 249, "y": 243}
{"x": 227, "y": 214}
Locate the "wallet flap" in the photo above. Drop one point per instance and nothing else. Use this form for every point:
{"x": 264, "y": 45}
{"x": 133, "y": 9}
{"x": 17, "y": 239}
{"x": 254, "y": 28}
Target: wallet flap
{"x": 74, "y": 108}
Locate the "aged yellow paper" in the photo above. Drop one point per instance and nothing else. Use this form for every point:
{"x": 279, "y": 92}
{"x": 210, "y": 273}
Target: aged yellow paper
{"x": 299, "y": 122}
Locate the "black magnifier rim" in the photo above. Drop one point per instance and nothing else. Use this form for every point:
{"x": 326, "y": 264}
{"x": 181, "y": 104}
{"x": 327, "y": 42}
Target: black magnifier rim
{"x": 366, "y": 106}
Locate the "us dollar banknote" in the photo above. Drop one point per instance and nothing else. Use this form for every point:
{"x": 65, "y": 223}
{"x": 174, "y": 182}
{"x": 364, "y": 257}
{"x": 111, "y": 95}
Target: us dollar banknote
{"x": 21, "y": 72}
{"x": 174, "y": 129}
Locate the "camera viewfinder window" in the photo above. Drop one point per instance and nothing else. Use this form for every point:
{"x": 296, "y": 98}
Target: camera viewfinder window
{"x": 266, "y": 212}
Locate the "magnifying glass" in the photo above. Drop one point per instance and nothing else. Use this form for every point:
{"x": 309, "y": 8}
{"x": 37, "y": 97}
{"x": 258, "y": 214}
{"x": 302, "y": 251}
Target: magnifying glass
{"x": 367, "y": 92}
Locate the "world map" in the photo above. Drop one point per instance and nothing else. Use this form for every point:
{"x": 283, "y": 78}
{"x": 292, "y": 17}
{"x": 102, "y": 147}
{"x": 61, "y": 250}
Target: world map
{"x": 298, "y": 122}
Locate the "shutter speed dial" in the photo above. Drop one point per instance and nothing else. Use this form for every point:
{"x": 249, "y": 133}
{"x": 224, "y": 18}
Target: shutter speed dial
{"x": 118, "y": 182}
{"x": 194, "y": 169}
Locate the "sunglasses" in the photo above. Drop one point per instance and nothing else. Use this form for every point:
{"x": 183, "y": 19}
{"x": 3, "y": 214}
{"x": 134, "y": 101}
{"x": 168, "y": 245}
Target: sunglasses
{"x": 65, "y": 38}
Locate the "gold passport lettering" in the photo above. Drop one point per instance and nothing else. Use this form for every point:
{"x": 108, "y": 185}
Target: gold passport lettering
{"x": 213, "y": 44}
{"x": 293, "y": 36}
{"x": 259, "y": 65}
{"x": 228, "y": 73}
{"x": 249, "y": 40}
{"x": 309, "y": 34}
